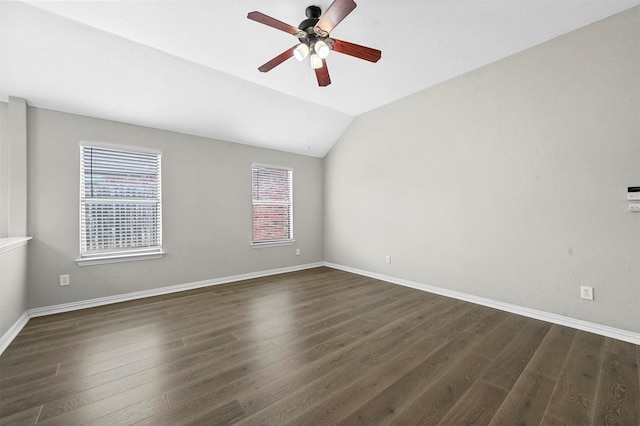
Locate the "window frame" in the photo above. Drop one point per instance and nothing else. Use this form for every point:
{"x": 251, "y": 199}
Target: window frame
{"x": 272, "y": 242}
{"x": 125, "y": 254}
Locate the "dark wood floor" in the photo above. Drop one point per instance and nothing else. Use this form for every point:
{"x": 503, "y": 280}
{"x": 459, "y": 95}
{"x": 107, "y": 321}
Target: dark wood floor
{"x": 314, "y": 347}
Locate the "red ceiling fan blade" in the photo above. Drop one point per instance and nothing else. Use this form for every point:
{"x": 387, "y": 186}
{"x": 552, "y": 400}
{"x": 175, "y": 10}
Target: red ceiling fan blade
{"x": 277, "y": 60}
{"x": 338, "y": 10}
{"x": 274, "y": 23}
{"x": 322, "y": 74}
{"x": 351, "y": 49}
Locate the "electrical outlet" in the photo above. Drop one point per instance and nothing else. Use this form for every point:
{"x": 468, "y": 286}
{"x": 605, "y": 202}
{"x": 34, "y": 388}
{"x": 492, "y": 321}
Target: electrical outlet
{"x": 586, "y": 292}
{"x": 387, "y": 259}
{"x": 64, "y": 280}
{"x": 297, "y": 252}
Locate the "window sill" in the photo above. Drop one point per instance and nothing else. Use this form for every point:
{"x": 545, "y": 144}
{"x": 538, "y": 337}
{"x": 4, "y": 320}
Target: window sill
{"x": 101, "y": 260}
{"x": 273, "y": 244}
{"x": 10, "y": 243}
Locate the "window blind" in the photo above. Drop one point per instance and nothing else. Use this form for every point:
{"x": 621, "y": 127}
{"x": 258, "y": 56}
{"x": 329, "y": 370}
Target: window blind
{"x": 120, "y": 196}
{"x": 272, "y": 190}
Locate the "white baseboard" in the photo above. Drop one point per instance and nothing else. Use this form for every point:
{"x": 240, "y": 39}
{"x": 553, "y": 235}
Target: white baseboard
{"x": 74, "y": 306}
{"x": 11, "y": 334}
{"x": 603, "y": 330}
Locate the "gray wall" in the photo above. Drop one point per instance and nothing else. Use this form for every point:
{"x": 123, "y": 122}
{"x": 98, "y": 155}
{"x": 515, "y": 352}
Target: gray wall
{"x": 5, "y": 172}
{"x": 13, "y": 214}
{"x": 13, "y": 170}
{"x": 13, "y": 287}
{"x": 206, "y": 188}
{"x": 507, "y": 183}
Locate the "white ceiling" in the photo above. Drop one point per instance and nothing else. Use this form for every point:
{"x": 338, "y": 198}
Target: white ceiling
{"x": 191, "y": 66}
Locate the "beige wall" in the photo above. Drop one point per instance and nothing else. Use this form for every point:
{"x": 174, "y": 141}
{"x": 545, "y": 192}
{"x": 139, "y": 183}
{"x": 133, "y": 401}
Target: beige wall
{"x": 206, "y": 210}
{"x": 507, "y": 183}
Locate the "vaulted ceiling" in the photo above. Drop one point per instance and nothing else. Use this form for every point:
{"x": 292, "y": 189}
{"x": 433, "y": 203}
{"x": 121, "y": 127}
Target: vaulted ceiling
{"x": 191, "y": 66}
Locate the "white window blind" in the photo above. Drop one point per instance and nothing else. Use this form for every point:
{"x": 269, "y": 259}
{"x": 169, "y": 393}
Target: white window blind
{"x": 120, "y": 197}
{"x": 272, "y": 190}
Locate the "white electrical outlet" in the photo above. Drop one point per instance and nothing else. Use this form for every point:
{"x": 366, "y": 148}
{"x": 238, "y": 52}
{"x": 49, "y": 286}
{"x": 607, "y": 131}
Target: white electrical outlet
{"x": 387, "y": 259}
{"x": 297, "y": 252}
{"x": 586, "y": 292}
{"x": 64, "y": 280}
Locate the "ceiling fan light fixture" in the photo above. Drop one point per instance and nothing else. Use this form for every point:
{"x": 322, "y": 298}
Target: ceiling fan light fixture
{"x": 316, "y": 61}
{"x": 321, "y": 48}
{"x": 301, "y": 52}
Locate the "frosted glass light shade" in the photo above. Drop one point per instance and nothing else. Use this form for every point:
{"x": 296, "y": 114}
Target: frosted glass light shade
{"x": 321, "y": 48}
{"x": 301, "y": 52}
{"x": 316, "y": 61}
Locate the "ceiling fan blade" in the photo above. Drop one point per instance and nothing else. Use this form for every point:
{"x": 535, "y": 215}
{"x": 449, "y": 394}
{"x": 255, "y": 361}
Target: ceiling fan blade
{"x": 352, "y": 49}
{"x": 277, "y": 60}
{"x": 338, "y": 10}
{"x": 322, "y": 74}
{"x": 274, "y": 23}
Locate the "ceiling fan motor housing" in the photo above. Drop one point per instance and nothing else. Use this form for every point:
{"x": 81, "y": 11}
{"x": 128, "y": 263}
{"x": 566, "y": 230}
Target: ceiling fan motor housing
{"x": 313, "y": 16}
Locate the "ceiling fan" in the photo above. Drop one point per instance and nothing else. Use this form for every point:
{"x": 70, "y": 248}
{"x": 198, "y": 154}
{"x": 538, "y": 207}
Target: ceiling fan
{"x": 315, "y": 42}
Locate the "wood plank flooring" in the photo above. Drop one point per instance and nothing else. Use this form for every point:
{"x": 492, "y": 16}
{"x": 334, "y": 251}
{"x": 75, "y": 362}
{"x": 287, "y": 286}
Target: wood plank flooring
{"x": 316, "y": 347}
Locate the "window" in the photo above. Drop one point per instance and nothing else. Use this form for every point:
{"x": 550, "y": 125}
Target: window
{"x": 120, "y": 205}
{"x": 272, "y": 189}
